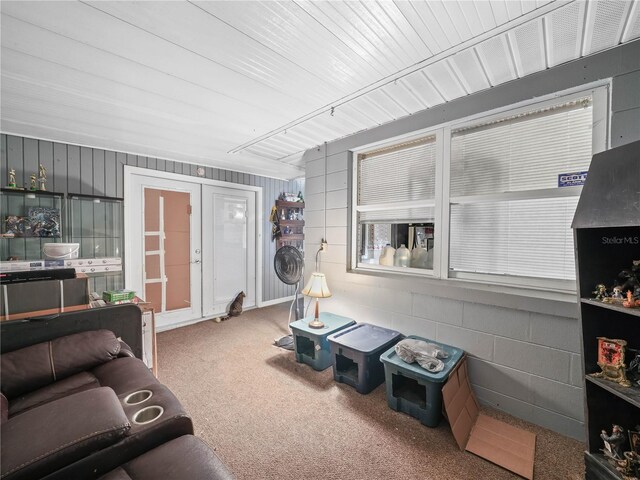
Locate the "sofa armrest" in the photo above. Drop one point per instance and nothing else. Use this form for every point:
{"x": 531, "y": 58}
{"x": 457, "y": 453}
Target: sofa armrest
{"x": 125, "y": 350}
{"x": 47, "y": 438}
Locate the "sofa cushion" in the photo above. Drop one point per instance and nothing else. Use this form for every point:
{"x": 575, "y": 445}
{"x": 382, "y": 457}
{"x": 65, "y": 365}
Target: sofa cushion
{"x": 182, "y": 458}
{"x": 38, "y": 365}
{"x": 124, "y": 375}
{"x": 4, "y": 409}
{"x": 62, "y": 388}
{"x": 56, "y": 434}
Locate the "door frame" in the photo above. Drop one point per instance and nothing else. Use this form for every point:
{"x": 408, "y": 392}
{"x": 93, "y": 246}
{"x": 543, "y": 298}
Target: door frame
{"x": 129, "y": 242}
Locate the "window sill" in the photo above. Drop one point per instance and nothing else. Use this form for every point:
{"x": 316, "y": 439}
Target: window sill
{"x": 544, "y": 300}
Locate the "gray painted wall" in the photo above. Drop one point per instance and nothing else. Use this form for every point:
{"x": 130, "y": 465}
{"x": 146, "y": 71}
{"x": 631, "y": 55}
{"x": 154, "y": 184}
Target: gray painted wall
{"x": 74, "y": 169}
{"x": 524, "y": 351}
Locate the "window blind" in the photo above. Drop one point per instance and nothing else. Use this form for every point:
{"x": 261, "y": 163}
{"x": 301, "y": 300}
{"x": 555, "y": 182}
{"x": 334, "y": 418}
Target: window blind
{"x": 402, "y": 215}
{"x": 531, "y": 238}
{"x": 524, "y": 153}
{"x": 401, "y": 173}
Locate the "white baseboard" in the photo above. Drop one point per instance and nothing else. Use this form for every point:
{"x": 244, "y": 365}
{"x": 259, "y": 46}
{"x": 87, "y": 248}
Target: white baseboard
{"x": 268, "y": 303}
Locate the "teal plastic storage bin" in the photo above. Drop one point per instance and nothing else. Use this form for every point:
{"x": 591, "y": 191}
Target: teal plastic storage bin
{"x": 312, "y": 344}
{"x": 356, "y": 353}
{"x": 413, "y": 390}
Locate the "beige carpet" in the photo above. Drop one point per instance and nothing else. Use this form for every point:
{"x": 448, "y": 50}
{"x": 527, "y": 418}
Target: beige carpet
{"x": 269, "y": 417}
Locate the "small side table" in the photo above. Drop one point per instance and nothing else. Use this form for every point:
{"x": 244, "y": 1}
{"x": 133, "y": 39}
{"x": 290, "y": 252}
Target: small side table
{"x": 311, "y": 344}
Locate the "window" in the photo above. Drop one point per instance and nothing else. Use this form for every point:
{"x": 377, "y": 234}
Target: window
{"x": 395, "y": 204}
{"x": 481, "y": 199}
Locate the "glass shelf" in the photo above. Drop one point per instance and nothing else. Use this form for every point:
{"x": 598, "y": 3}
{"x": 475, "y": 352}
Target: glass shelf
{"x": 29, "y": 220}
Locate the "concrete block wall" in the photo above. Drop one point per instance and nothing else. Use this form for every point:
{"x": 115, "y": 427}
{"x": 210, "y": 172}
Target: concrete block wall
{"x": 524, "y": 350}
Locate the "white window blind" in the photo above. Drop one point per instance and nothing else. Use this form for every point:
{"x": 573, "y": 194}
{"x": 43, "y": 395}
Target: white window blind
{"x": 523, "y": 153}
{"x": 508, "y": 236}
{"x": 401, "y": 173}
{"x": 530, "y": 238}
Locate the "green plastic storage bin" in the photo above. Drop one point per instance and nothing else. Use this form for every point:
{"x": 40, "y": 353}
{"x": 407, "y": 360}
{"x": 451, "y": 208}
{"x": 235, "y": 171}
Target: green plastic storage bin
{"x": 415, "y": 391}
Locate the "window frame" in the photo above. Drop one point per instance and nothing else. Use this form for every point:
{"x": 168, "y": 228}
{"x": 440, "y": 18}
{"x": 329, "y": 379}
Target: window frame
{"x": 600, "y": 93}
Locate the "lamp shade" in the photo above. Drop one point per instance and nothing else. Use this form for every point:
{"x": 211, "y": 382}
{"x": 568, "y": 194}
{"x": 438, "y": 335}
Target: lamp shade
{"x": 317, "y": 286}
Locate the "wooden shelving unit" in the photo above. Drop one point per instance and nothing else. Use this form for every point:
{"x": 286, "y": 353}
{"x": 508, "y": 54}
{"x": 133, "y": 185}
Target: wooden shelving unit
{"x": 291, "y": 229}
{"x": 607, "y": 239}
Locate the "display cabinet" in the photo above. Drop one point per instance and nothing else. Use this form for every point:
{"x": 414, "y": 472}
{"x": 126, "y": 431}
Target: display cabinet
{"x": 96, "y": 224}
{"x": 607, "y": 239}
{"x": 291, "y": 222}
{"x": 29, "y": 220}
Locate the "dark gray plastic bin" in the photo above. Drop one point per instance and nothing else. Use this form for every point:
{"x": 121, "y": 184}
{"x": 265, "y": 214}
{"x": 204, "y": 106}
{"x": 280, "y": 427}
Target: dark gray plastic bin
{"x": 412, "y": 389}
{"x": 356, "y": 355}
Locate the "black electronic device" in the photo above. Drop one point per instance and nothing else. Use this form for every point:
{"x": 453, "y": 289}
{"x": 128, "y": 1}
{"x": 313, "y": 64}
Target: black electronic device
{"x": 36, "y": 275}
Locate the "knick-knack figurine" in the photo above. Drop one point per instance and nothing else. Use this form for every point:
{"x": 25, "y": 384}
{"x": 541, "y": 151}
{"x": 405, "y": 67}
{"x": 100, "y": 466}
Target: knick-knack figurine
{"x": 34, "y": 185}
{"x": 43, "y": 177}
{"x": 600, "y": 292}
{"x": 12, "y": 178}
{"x": 614, "y": 442}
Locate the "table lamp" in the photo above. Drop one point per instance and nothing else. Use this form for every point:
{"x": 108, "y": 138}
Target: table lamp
{"x": 317, "y": 288}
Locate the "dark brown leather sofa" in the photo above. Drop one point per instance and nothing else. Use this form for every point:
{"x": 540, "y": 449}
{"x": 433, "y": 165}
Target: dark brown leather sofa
{"x": 82, "y": 406}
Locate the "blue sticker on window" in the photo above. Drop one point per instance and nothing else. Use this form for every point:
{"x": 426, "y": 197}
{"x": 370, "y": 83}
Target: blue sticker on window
{"x": 572, "y": 179}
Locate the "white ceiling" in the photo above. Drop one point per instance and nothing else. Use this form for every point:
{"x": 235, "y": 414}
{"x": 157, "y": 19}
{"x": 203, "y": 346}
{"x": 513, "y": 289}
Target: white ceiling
{"x": 250, "y": 86}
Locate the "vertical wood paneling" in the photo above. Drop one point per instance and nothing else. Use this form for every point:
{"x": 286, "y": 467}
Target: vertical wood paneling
{"x": 45, "y": 158}
{"x": 121, "y": 161}
{"x": 30, "y": 156}
{"x": 98, "y": 173}
{"x": 15, "y": 159}
{"x": 110, "y": 170}
{"x": 86, "y": 170}
{"x": 4, "y": 179}
{"x": 59, "y": 167}
{"x": 73, "y": 169}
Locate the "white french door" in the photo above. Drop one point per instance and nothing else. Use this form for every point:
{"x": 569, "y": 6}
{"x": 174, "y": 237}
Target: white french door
{"x": 164, "y": 233}
{"x": 228, "y": 248}
{"x": 191, "y": 246}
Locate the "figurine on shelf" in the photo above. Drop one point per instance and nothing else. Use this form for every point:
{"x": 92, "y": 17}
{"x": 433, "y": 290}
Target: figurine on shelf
{"x": 600, "y": 292}
{"x": 300, "y": 198}
{"x": 34, "y": 185}
{"x": 43, "y": 177}
{"x": 613, "y": 443}
{"x": 616, "y": 295}
{"x": 611, "y": 361}
{"x": 630, "y": 302}
{"x": 12, "y": 178}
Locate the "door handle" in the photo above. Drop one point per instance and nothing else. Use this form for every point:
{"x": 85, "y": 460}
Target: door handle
{"x": 196, "y": 261}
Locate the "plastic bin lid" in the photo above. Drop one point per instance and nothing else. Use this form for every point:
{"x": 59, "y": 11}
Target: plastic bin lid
{"x": 455, "y": 354}
{"x": 364, "y": 337}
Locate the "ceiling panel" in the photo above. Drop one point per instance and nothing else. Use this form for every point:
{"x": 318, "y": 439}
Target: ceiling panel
{"x": 564, "y": 30}
{"x": 468, "y": 67}
{"x": 445, "y": 82}
{"x": 528, "y": 48}
{"x": 250, "y": 85}
{"x": 496, "y": 58}
{"x": 633, "y": 24}
{"x": 604, "y": 25}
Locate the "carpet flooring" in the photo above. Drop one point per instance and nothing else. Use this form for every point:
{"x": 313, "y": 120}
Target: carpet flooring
{"x": 269, "y": 417}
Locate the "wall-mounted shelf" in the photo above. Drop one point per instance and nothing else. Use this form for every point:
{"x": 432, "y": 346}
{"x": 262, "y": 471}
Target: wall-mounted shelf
{"x": 291, "y": 223}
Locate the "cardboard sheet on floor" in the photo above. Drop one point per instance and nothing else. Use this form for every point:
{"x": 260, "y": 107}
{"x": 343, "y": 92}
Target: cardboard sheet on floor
{"x": 500, "y": 443}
